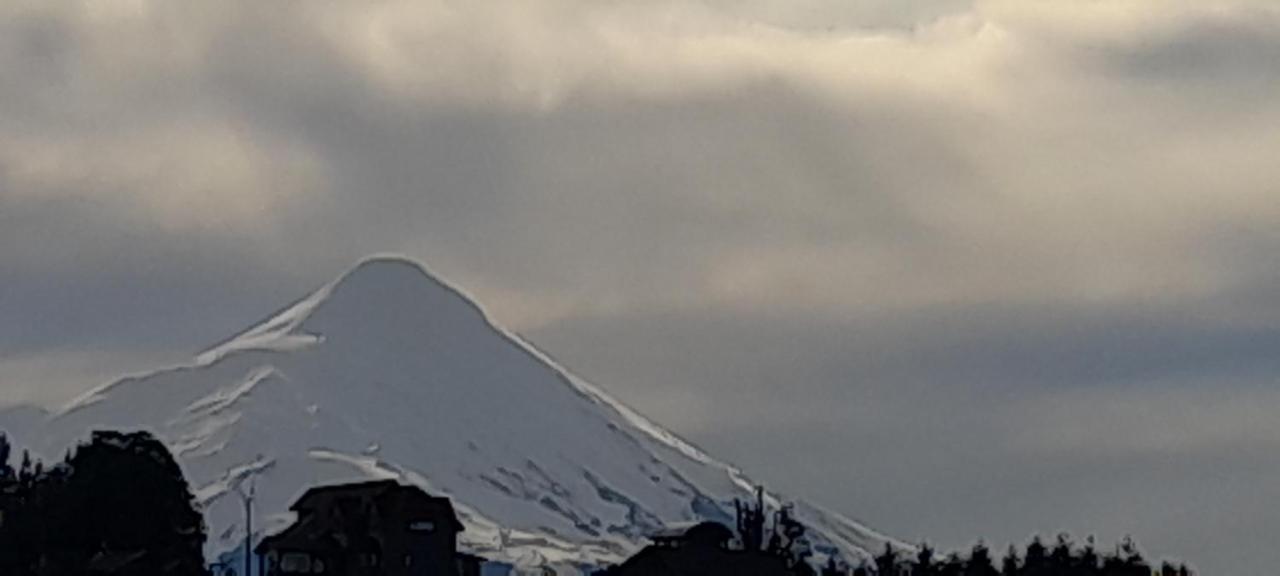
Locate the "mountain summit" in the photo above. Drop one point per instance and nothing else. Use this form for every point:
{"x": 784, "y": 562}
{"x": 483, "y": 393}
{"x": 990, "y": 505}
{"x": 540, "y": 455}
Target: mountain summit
{"x": 390, "y": 372}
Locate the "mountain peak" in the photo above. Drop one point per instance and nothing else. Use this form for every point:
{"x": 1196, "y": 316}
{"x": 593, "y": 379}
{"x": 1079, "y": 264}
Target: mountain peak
{"x": 388, "y": 267}
{"x": 390, "y": 372}
{"x": 384, "y": 276}
{"x": 380, "y": 290}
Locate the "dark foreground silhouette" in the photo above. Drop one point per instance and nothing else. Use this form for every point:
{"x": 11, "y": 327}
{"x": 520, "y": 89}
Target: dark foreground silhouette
{"x": 119, "y": 505}
{"x": 780, "y": 549}
{"x": 1064, "y": 558}
{"x": 379, "y": 527}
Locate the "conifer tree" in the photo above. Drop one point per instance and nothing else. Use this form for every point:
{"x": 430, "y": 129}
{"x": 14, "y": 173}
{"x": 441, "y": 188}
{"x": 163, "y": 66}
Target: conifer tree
{"x": 1009, "y": 566}
{"x": 751, "y": 522}
{"x": 6, "y": 472}
{"x": 121, "y": 498}
{"x": 887, "y": 561}
{"x": 1088, "y": 563}
{"x": 924, "y": 564}
{"x": 1061, "y": 558}
{"x": 1036, "y": 562}
{"x": 953, "y": 565}
{"x": 26, "y": 473}
{"x": 980, "y": 562}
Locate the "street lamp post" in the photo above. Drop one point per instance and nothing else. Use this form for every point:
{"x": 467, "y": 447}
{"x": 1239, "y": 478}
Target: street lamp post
{"x": 248, "y": 523}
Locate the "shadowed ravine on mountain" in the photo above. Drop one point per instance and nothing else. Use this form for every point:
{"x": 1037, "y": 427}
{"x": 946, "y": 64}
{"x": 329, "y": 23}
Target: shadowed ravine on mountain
{"x": 389, "y": 372}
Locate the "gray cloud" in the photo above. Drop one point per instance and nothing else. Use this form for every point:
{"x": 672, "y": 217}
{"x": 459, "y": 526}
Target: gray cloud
{"x": 1229, "y": 50}
{"x": 986, "y": 258}
{"x": 959, "y": 423}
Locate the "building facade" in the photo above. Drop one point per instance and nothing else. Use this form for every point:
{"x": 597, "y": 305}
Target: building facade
{"x": 377, "y": 528}
{"x": 698, "y": 550}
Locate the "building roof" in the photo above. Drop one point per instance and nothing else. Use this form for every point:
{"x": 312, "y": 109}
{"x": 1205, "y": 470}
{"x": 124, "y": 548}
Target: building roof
{"x": 311, "y": 531}
{"x": 387, "y": 492}
{"x": 319, "y": 495}
{"x": 672, "y": 530}
{"x": 706, "y": 533}
{"x": 660, "y": 561}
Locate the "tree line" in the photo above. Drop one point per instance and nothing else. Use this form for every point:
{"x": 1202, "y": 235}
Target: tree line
{"x": 116, "y": 504}
{"x": 1063, "y": 558}
{"x": 119, "y": 504}
{"x": 786, "y": 539}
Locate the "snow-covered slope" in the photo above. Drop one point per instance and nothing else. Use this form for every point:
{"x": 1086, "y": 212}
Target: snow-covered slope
{"x": 389, "y": 372}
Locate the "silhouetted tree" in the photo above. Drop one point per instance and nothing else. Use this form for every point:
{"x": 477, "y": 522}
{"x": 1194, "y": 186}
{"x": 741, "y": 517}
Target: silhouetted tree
{"x": 980, "y": 562}
{"x": 1088, "y": 562}
{"x": 6, "y": 471}
{"x": 887, "y": 562}
{"x": 118, "y": 505}
{"x": 1009, "y": 565}
{"x": 924, "y": 564}
{"x": 788, "y": 540}
{"x": 26, "y": 472}
{"x": 19, "y": 538}
{"x": 11, "y": 500}
{"x": 1127, "y": 561}
{"x": 952, "y": 566}
{"x": 751, "y": 522}
{"x": 1036, "y": 560}
{"x": 1061, "y": 558}
{"x": 786, "y": 537}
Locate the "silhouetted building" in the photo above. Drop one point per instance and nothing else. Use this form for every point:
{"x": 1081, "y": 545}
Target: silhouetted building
{"x": 9, "y": 501}
{"x": 115, "y": 562}
{"x": 468, "y": 564}
{"x": 698, "y": 550}
{"x": 368, "y": 529}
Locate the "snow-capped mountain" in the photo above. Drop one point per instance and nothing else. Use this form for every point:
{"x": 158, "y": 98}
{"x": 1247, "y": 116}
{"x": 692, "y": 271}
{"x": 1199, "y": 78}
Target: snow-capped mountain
{"x": 389, "y": 372}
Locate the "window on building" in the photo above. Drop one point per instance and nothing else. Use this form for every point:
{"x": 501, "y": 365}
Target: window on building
{"x": 422, "y": 526}
{"x": 295, "y": 563}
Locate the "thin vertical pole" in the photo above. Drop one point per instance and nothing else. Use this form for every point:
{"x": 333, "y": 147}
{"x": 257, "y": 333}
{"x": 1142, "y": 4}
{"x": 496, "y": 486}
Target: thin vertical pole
{"x": 248, "y": 529}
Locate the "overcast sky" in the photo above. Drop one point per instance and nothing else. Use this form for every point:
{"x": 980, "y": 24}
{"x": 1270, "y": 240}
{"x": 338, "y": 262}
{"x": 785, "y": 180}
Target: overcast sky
{"x": 957, "y": 269}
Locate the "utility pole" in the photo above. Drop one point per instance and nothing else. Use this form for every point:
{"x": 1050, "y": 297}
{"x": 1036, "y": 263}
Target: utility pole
{"x": 248, "y": 523}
